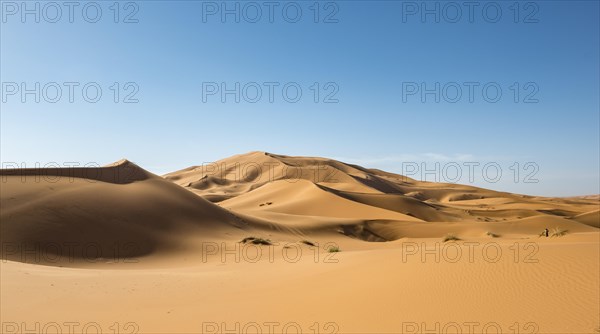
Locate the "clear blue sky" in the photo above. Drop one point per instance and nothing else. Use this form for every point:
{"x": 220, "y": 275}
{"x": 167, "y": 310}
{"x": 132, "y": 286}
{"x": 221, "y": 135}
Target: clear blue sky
{"x": 370, "y": 52}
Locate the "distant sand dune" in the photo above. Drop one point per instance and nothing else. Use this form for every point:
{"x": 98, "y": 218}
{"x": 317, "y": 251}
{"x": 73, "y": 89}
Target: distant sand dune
{"x": 591, "y": 218}
{"x": 324, "y": 189}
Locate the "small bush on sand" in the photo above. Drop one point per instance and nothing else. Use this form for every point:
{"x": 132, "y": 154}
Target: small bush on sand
{"x": 334, "y": 249}
{"x": 261, "y": 241}
{"x": 256, "y": 241}
{"x": 493, "y": 235}
{"x": 450, "y": 237}
{"x": 558, "y": 232}
{"x": 247, "y": 239}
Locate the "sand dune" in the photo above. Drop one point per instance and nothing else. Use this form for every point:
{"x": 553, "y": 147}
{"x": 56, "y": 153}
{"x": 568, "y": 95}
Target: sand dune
{"x": 591, "y": 218}
{"x": 158, "y": 254}
{"x": 119, "y": 210}
{"x": 259, "y": 183}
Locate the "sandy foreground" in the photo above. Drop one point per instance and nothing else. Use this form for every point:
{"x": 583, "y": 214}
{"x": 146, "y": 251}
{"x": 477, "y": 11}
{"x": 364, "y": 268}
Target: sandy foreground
{"x": 120, "y": 250}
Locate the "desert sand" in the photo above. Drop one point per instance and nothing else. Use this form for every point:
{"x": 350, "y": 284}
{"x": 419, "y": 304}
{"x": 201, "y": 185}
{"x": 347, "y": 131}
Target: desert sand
{"x": 119, "y": 249}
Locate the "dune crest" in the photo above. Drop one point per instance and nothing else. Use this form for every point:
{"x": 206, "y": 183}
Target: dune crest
{"x": 120, "y": 172}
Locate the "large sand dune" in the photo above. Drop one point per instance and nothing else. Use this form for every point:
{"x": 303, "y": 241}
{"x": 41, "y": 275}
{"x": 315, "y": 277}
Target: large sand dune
{"x": 120, "y": 245}
{"x": 117, "y": 210}
{"x": 259, "y": 184}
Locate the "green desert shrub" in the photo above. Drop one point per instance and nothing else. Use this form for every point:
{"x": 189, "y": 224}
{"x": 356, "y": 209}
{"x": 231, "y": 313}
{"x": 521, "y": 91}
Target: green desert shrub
{"x": 334, "y": 249}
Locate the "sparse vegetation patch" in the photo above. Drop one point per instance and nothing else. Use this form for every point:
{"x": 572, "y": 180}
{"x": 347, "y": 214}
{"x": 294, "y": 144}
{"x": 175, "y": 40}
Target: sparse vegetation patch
{"x": 558, "y": 232}
{"x": 334, "y": 249}
{"x": 256, "y": 241}
{"x": 451, "y": 237}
